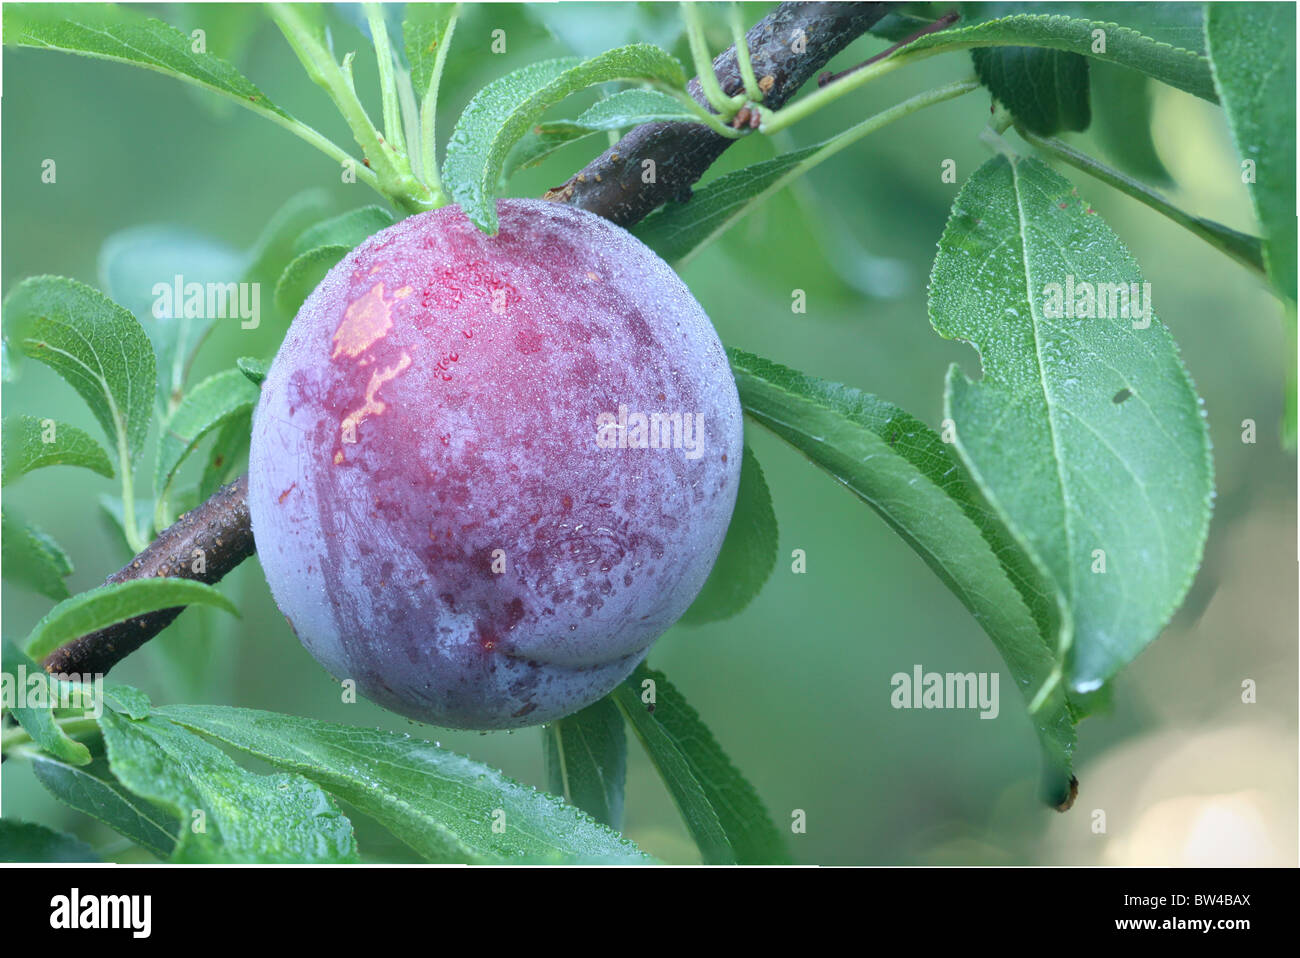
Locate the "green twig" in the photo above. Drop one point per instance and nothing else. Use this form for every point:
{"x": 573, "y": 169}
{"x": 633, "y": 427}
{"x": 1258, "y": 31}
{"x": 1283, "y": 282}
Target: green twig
{"x": 429, "y": 115}
{"x": 15, "y": 736}
{"x": 723, "y": 104}
{"x": 387, "y": 84}
{"x": 393, "y": 173}
{"x": 854, "y": 133}
{"x": 1243, "y": 248}
{"x": 711, "y": 120}
{"x": 743, "y": 62}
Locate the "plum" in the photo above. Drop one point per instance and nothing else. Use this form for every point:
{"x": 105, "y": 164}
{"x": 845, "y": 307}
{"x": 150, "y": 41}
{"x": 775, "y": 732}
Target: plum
{"x": 487, "y": 472}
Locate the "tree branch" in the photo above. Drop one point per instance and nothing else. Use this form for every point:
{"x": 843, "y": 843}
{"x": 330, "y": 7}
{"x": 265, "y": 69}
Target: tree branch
{"x": 787, "y": 47}
{"x": 219, "y": 528}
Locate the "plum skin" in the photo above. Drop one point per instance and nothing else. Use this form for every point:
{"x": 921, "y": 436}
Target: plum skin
{"x": 433, "y": 508}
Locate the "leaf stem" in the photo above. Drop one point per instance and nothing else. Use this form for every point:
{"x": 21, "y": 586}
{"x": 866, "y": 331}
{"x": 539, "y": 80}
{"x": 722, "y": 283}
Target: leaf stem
{"x": 743, "y": 63}
{"x": 387, "y": 84}
{"x": 847, "y": 137}
{"x": 429, "y": 114}
{"x": 725, "y": 105}
{"x": 16, "y": 735}
{"x": 1245, "y": 249}
{"x": 393, "y": 172}
{"x": 711, "y": 120}
{"x": 774, "y": 121}
{"x": 130, "y": 527}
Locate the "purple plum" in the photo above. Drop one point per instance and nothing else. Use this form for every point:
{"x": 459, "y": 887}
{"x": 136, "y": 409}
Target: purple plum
{"x": 487, "y": 472}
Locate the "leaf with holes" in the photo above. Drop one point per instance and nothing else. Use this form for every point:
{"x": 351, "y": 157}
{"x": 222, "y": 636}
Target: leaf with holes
{"x": 1085, "y": 433}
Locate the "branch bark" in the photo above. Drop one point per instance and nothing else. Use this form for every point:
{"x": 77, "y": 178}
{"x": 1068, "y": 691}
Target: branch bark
{"x": 787, "y": 47}
{"x": 219, "y": 529}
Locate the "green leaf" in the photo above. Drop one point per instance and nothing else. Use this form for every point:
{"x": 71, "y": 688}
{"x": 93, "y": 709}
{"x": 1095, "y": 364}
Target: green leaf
{"x": 160, "y": 273}
{"x": 586, "y": 761}
{"x": 1253, "y": 49}
{"x": 95, "y": 791}
{"x": 29, "y": 842}
{"x": 348, "y": 229}
{"x": 320, "y": 247}
{"x": 504, "y": 110}
{"x": 1084, "y": 434}
{"x": 226, "y": 814}
{"x": 634, "y": 107}
{"x": 1046, "y": 90}
{"x": 304, "y": 274}
{"x": 212, "y": 403}
{"x": 680, "y": 230}
{"x": 37, "y": 718}
{"x": 748, "y": 553}
{"x": 720, "y": 808}
{"x": 25, "y": 447}
{"x": 914, "y": 480}
{"x": 228, "y": 450}
{"x": 113, "y": 510}
{"x": 254, "y": 369}
{"x": 1179, "y": 66}
{"x": 423, "y": 30}
{"x": 116, "y": 602}
{"x": 274, "y": 247}
{"x": 539, "y": 143}
{"x": 111, "y": 32}
{"x": 441, "y": 804}
{"x": 31, "y": 557}
{"x": 93, "y": 343}
{"x": 1122, "y": 123}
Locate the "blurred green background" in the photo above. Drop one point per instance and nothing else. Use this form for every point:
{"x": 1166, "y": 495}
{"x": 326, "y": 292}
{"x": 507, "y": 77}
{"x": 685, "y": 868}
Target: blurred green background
{"x": 797, "y": 687}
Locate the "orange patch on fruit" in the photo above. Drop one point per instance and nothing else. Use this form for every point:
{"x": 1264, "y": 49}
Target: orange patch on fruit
{"x": 374, "y": 406}
{"x": 366, "y": 320}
